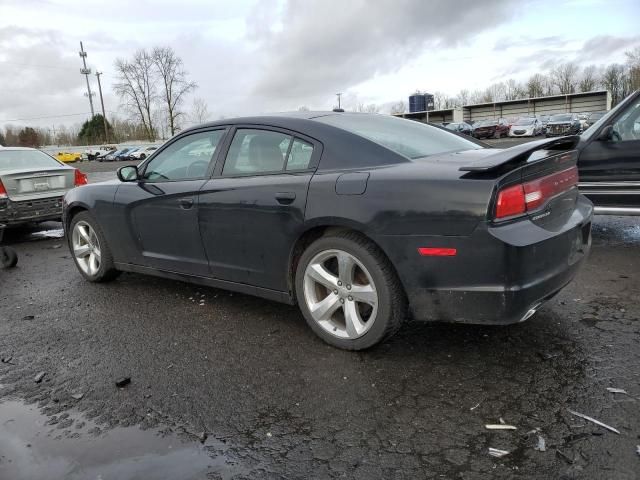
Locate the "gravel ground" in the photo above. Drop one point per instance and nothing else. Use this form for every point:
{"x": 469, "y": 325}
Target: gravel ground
{"x": 276, "y": 402}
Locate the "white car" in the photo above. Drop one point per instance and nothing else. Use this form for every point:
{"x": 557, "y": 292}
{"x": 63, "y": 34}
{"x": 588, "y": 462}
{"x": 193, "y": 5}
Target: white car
{"x": 95, "y": 153}
{"x": 526, "y": 127}
{"x": 143, "y": 153}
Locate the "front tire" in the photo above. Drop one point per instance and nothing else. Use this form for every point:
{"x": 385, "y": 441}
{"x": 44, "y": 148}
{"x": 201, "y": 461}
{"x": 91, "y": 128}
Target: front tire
{"x": 89, "y": 248}
{"x": 348, "y": 292}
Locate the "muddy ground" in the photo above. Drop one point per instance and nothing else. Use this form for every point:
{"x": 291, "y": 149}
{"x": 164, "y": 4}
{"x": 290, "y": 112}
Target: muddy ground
{"x": 273, "y": 401}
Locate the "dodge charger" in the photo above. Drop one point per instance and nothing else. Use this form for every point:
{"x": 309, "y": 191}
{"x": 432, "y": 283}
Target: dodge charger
{"x": 362, "y": 220}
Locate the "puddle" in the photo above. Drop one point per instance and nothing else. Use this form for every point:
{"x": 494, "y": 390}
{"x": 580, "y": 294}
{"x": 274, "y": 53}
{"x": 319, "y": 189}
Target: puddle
{"x": 30, "y": 448}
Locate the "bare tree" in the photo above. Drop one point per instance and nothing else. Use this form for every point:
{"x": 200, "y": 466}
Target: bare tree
{"x": 565, "y": 77}
{"x": 463, "y": 97}
{"x": 175, "y": 84}
{"x": 535, "y": 85}
{"x": 513, "y": 90}
{"x": 137, "y": 88}
{"x": 371, "y": 108}
{"x": 589, "y": 79}
{"x": 303, "y": 108}
{"x": 398, "y": 108}
{"x": 199, "y": 111}
{"x": 615, "y": 80}
{"x": 633, "y": 62}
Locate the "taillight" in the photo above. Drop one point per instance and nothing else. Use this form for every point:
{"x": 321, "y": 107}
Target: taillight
{"x": 3, "y": 191}
{"x": 80, "y": 178}
{"x": 529, "y": 196}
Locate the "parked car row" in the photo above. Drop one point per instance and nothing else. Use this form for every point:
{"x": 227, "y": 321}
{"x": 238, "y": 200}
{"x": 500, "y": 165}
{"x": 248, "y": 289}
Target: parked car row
{"x": 527, "y": 126}
{"x": 128, "y": 154}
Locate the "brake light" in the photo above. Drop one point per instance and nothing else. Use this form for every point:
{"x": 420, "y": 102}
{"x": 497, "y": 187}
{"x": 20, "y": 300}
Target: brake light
{"x": 511, "y": 201}
{"x": 3, "y": 191}
{"x": 529, "y": 196}
{"x": 80, "y": 178}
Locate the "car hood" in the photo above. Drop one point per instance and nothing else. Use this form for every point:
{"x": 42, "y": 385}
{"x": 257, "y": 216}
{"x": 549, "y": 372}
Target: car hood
{"x": 565, "y": 122}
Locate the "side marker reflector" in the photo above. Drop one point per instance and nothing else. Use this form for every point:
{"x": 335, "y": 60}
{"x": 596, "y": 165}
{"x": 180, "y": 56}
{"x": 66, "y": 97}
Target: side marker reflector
{"x": 437, "y": 252}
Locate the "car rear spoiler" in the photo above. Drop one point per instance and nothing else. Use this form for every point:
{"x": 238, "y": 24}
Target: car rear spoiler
{"x": 520, "y": 153}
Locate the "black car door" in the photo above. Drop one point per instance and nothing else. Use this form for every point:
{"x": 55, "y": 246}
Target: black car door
{"x": 252, "y": 210}
{"x": 161, "y": 209}
{"x": 614, "y": 156}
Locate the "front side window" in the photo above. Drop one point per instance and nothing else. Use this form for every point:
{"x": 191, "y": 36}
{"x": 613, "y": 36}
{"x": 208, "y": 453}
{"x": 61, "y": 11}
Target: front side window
{"x": 188, "y": 158}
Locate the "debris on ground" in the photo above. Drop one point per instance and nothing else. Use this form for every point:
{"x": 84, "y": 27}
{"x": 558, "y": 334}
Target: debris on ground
{"x": 7, "y": 360}
{"x": 542, "y": 445}
{"x": 638, "y": 449}
{"x": 77, "y": 396}
{"x": 38, "y": 378}
{"x": 564, "y": 456}
{"x": 593, "y": 420}
{"x": 495, "y": 452}
{"x": 28, "y": 317}
{"x": 499, "y": 426}
{"x": 616, "y": 390}
{"x": 202, "y": 436}
{"x": 476, "y": 406}
{"x": 123, "y": 381}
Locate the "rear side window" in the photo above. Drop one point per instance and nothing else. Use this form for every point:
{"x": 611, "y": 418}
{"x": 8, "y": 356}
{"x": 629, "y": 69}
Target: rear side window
{"x": 255, "y": 151}
{"x": 407, "y": 137}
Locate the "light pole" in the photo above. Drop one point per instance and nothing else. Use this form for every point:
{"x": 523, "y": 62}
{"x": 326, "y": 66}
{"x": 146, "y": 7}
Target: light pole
{"x": 104, "y": 115}
{"x": 339, "y": 95}
{"x": 86, "y": 72}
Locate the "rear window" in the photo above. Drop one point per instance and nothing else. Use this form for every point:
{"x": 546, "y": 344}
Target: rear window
{"x": 407, "y": 137}
{"x": 23, "y": 159}
{"x": 561, "y": 118}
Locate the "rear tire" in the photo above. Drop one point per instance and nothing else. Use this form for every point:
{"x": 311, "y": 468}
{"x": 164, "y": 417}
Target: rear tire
{"x": 354, "y": 280}
{"x": 89, "y": 248}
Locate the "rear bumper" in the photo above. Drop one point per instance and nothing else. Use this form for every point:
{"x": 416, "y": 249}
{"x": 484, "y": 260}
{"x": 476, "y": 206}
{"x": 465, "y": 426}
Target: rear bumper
{"x": 499, "y": 274}
{"x": 15, "y": 213}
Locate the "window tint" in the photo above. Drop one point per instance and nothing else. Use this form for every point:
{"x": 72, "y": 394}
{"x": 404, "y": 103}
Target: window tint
{"x": 300, "y": 155}
{"x": 185, "y": 159}
{"x": 406, "y": 137}
{"x": 627, "y": 127}
{"x": 256, "y": 151}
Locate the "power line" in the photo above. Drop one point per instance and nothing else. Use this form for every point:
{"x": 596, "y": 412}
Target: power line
{"x": 50, "y": 116}
{"x": 2, "y": 62}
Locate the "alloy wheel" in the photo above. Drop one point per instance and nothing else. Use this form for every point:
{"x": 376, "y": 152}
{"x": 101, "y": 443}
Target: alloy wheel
{"x": 340, "y": 294}
{"x": 86, "y": 248}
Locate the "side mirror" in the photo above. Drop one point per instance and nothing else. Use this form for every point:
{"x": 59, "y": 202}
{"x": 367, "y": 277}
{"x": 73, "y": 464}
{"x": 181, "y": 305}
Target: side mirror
{"x": 606, "y": 134}
{"x": 128, "y": 173}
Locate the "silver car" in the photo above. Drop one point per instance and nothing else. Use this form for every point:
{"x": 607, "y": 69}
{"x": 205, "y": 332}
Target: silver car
{"x": 32, "y": 185}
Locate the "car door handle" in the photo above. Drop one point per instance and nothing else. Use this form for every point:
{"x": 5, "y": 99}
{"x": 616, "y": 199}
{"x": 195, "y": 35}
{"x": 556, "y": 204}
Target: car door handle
{"x": 186, "y": 203}
{"x": 285, "y": 198}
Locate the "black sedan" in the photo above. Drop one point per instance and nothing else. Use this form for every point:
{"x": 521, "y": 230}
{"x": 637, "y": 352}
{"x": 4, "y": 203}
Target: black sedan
{"x": 563, "y": 124}
{"x": 362, "y": 220}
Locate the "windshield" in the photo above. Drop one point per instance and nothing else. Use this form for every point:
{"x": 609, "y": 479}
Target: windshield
{"x": 407, "y": 137}
{"x": 452, "y": 126}
{"x": 525, "y": 121}
{"x": 560, "y": 118}
{"x": 25, "y": 159}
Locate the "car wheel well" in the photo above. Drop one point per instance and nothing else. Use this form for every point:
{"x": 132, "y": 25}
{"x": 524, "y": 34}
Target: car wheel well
{"x": 313, "y": 234}
{"x": 72, "y": 213}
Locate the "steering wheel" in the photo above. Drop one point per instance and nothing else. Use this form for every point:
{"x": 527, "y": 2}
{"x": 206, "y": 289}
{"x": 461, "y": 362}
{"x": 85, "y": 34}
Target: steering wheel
{"x": 197, "y": 169}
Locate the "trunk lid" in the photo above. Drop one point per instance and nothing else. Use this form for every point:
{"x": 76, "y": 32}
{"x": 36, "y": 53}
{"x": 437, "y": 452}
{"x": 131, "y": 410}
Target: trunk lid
{"x": 29, "y": 184}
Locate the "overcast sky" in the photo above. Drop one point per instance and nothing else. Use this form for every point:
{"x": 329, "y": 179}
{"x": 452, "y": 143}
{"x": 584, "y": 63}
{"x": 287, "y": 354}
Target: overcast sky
{"x": 253, "y": 56}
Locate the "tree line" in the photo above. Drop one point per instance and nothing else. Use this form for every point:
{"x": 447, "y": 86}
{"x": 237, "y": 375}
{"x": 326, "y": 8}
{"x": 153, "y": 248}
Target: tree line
{"x": 565, "y": 78}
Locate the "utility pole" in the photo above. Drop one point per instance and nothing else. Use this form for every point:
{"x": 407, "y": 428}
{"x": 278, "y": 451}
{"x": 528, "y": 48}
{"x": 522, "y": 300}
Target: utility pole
{"x": 104, "y": 115}
{"x": 86, "y": 72}
{"x": 339, "y": 95}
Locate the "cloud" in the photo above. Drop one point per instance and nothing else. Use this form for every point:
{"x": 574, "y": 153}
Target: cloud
{"x": 601, "y": 47}
{"x": 327, "y": 46}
